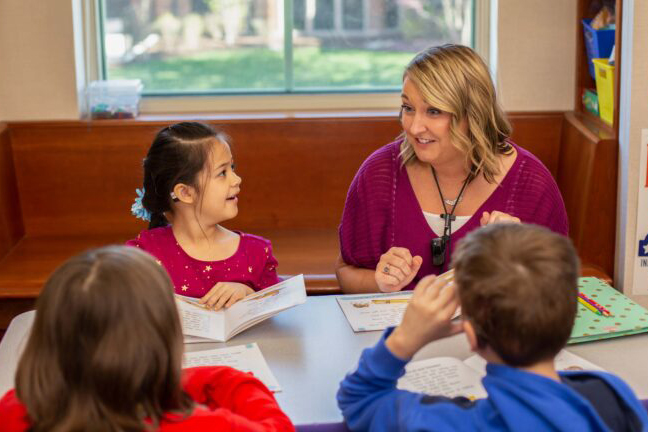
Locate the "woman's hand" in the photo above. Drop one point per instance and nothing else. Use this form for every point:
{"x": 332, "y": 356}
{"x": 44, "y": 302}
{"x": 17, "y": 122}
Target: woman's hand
{"x": 428, "y": 317}
{"x": 225, "y": 294}
{"x": 496, "y": 217}
{"x": 396, "y": 269}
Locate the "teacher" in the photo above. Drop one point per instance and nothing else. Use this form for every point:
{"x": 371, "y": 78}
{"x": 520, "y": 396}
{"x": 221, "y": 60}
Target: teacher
{"x": 452, "y": 170}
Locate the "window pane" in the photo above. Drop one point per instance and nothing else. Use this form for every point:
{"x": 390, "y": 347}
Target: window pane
{"x": 196, "y": 45}
{"x": 222, "y": 46}
{"x": 368, "y": 42}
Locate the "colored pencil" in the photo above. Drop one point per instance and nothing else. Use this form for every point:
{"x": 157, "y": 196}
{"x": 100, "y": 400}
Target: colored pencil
{"x": 600, "y": 308}
{"x": 589, "y": 306}
{"x": 387, "y": 301}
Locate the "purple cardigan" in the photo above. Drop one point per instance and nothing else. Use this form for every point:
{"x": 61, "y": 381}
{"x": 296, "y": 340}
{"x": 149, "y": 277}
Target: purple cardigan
{"x": 381, "y": 210}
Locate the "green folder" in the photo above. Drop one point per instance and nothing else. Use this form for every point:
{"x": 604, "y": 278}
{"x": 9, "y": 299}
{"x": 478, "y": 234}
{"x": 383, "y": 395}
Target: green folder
{"x": 627, "y": 316}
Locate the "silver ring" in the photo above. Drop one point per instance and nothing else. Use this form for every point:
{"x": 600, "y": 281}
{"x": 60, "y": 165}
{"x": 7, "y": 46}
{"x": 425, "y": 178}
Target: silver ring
{"x": 386, "y": 269}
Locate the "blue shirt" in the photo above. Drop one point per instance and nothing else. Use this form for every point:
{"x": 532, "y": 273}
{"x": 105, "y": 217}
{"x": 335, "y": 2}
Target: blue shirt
{"x": 517, "y": 400}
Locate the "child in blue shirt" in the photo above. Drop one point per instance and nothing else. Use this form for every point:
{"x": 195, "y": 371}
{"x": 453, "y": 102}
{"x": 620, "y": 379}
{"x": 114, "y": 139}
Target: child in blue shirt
{"x": 517, "y": 286}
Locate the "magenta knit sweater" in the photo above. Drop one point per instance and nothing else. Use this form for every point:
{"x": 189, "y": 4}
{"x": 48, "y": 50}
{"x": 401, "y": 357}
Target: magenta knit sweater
{"x": 381, "y": 210}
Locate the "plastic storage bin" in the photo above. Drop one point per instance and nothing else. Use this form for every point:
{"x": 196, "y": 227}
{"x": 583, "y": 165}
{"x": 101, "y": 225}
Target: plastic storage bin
{"x": 598, "y": 43}
{"x": 116, "y": 99}
{"x": 605, "y": 89}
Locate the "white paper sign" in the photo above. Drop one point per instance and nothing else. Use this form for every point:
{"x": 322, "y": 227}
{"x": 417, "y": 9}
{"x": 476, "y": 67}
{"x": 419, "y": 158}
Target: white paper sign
{"x": 640, "y": 249}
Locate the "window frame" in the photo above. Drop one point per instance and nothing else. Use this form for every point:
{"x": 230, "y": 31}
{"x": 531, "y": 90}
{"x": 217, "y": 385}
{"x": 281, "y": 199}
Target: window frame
{"x": 290, "y": 100}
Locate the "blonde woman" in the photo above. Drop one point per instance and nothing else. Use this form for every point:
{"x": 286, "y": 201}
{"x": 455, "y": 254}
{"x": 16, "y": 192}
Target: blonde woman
{"x": 452, "y": 170}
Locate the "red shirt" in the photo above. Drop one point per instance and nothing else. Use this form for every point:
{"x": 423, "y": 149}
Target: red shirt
{"x": 233, "y": 401}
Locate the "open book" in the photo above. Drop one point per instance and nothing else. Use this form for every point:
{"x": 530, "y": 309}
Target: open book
{"x": 451, "y": 377}
{"x": 200, "y": 324}
{"x": 371, "y": 312}
{"x": 246, "y": 358}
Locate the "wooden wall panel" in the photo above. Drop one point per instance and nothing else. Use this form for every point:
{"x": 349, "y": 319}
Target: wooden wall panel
{"x": 540, "y": 134}
{"x": 587, "y": 177}
{"x": 296, "y": 171}
{"x": 11, "y": 226}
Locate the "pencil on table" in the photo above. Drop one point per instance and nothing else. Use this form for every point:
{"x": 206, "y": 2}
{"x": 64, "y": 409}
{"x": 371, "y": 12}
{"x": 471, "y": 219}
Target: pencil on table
{"x": 387, "y": 301}
{"x": 589, "y": 306}
{"x": 597, "y": 306}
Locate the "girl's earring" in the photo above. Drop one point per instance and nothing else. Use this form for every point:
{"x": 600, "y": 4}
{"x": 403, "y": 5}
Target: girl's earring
{"x": 174, "y": 197}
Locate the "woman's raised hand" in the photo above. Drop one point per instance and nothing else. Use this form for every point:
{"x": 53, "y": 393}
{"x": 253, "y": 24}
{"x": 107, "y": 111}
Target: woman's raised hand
{"x": 496, "y": 217}
{"x": 396, "y": 269}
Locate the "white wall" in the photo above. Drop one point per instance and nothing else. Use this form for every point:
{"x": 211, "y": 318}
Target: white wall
{"x": 38, "y": 81}
{"x": 37, "y": 69}
{"x": 537, "y": 54}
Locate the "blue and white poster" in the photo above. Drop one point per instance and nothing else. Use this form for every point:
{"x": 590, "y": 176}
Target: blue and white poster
{"x": 640, "y": 255}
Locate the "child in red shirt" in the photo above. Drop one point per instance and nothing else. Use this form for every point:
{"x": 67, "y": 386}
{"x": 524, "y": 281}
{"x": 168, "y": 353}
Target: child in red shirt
{"x": 105, "y": 353}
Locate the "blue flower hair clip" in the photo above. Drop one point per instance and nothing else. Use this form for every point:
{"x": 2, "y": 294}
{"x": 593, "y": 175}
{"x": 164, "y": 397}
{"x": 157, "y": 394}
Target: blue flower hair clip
{"x": 137, "y": 209}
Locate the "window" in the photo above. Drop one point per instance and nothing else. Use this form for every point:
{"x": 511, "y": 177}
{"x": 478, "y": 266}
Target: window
{"x": 220, "y": 47}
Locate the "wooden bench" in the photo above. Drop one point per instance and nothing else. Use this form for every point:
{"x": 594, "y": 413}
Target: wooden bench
{"x": 68, "y": 186}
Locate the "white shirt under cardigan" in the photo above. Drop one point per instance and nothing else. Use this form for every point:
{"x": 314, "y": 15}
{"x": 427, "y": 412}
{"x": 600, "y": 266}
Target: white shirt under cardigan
{"x": 437, "y": 223}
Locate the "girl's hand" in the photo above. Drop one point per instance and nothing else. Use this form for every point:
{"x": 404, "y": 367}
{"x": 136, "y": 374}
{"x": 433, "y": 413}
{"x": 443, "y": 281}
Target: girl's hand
{"x": 497, "y": 216}
{"x": 428, "y": 317}
{"x": 225, "y": 294}
{"x": 396, "y": 269}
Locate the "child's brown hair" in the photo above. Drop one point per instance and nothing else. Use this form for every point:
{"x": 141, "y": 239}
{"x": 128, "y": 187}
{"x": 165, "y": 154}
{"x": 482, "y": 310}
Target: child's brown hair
{"x": 518, "y": 286}
{"x": 105, "y": 350}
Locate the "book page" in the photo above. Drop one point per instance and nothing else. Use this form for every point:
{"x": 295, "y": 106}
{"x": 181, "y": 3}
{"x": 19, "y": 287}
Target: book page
{"x": 442, "y": 376}
{"x": 565, "y": 361}
{"x": 11, "y": 348}
{"x": 265, "y": 303}
{"x": 370, "y": 312}
{"x": 198, "y": 321}
{"x": 246, "y": 358}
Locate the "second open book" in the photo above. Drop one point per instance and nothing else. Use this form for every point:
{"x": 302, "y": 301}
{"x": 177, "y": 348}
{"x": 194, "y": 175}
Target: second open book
{"x": 451, "y": 377}
{"x": 204, "y": 325}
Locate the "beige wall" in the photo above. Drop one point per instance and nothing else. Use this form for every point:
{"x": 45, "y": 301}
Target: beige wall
{"x": 38, "y": 81}
{"x": 536, "y": 54}
{"x": 37, "y": 69}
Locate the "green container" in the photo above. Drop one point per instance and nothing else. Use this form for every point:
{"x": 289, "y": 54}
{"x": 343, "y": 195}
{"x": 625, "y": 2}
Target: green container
{"x": 590, "y": 101}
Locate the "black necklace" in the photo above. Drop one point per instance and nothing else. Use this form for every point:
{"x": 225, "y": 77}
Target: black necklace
{"x": 441, "y": 245}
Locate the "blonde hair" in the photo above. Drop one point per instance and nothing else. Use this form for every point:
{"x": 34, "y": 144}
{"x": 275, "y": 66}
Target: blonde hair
{"x": 454, "y": 79}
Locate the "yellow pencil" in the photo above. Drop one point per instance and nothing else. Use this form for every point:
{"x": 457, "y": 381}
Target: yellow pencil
{"x": 387, "y": 301}
{"x": 589, "y": 306}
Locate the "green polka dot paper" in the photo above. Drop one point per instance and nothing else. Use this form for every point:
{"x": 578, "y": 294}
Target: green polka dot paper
{"x": 627, "y": 316}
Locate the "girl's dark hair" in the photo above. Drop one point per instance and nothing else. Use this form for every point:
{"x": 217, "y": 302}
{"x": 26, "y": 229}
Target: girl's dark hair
{"x": 178, "y": 153}
{"x": 105, "y": 350}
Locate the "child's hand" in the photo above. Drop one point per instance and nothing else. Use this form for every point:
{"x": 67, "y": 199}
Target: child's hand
{"x": 396, "y": 269}
{"x": 427, "y": 317}
{"x": 225, "y": 294}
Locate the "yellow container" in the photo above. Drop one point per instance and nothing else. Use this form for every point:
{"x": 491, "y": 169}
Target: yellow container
{"x": 605, "y": 89}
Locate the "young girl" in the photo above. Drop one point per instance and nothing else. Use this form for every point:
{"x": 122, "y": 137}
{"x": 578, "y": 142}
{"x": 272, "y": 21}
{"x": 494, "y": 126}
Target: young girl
{"x": 189, "y": 178}
{"x": 105, "y": 352}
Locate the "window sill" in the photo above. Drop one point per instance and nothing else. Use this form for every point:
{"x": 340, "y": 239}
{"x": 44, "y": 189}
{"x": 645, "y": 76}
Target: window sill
{"x": 293, "y": 105}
